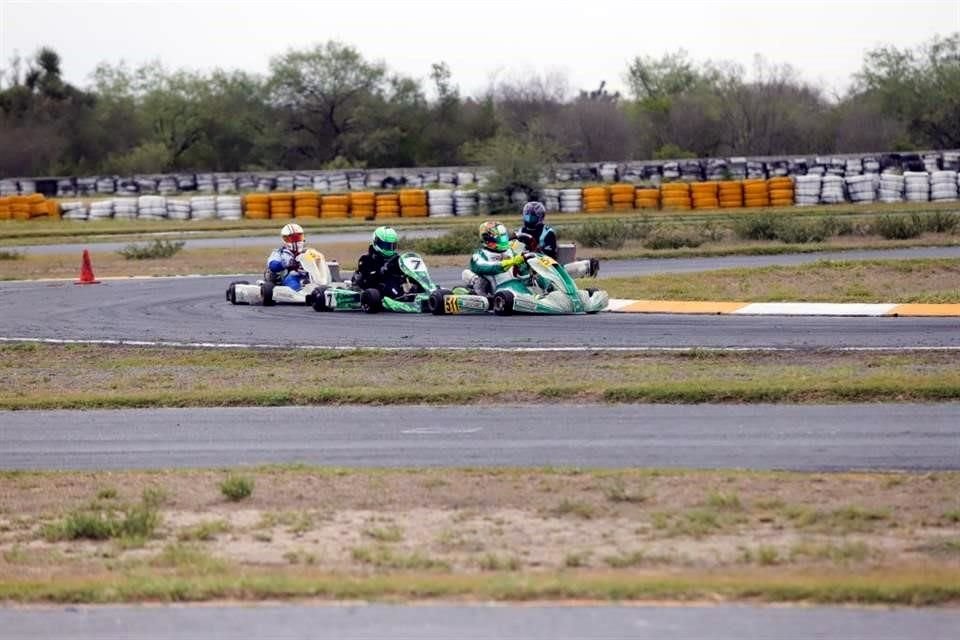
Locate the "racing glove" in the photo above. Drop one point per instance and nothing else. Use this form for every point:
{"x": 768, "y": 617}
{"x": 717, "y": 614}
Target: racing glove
{"x": 516, "y": 260}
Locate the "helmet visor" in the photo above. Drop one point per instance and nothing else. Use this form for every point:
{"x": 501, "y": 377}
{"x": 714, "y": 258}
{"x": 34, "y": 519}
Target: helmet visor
{"x": 293, "y": 237}
{"x": 503, "y": 242}
{"x": 531, "y": 219}
{"x": 385, "y": 247}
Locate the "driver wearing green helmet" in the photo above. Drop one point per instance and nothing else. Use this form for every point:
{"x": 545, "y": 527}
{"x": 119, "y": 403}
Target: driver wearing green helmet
{"x": 379, "y": 267}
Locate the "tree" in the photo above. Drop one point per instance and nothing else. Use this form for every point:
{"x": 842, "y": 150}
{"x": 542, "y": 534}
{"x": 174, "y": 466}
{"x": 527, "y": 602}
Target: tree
{"x": 920, "y": 87}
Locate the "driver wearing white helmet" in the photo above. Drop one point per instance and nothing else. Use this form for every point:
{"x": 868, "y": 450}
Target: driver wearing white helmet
{"x": 282, "y": 265}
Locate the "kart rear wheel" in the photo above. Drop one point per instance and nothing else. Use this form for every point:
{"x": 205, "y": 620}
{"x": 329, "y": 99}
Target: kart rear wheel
{"x": 435, "y": 304}
{"x": 371, "y": 301}
{"x": 232, "y": 290}
{"x": 320, "y": 299}
{"x": 503, "y": 303}
{"x": 266, "y": 293}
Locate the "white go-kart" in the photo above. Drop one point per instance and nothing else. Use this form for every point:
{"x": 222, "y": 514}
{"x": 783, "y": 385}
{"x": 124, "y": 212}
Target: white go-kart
{"x": 267, "y": 292}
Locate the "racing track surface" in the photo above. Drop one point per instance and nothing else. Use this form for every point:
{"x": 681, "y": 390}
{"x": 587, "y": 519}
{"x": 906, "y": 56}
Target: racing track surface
{"x": 195, "y": 310}
{"x": 801, "y": 438}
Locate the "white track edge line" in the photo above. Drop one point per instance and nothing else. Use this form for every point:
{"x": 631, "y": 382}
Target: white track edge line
{"x": 339, "y": 347}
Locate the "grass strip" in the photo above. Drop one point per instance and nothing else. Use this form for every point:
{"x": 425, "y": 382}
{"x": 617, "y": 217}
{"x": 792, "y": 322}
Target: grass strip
{"x": 933, "y": 280}
{"x": 900, "y": 586}
{"x": 40, "y": 376}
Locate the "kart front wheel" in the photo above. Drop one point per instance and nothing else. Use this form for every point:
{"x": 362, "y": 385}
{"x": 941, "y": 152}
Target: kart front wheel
{"x": 503, "y": 303}
{"x": 266, "y": 294}
{"x": 435, "y": 303}
{"x": 232, "y": 291}
{"x": 371, "y": 301}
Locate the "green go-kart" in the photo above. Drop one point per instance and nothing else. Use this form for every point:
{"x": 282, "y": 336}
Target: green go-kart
{"x": 422, "y": 295}
{"x": 549, "y": 289}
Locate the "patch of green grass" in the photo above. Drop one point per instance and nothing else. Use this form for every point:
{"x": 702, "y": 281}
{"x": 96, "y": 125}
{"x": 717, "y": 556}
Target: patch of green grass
{"x": 188, "y": 557}
{"x": 952, "y": 516}
{"x": 300, "y": 557}
{"x": 135, "y": 523}
{"x": 627, "y": 560}
{"x": 728, "y": 501}
{"x": 153, "y": 250}
{"x": 107, "y": 493}
{"x": 844, "y": 552}
{"x": 577, "y": 559}
{"x": 494, "y": 562}
{"x": 392, "y": 533}
{"x": 385, "y": 558}
{"x": 204, "y": 531}
{"x": 577, "y": 508}
{"x": 618, "y": 491}
{"x": 237, "y": 487}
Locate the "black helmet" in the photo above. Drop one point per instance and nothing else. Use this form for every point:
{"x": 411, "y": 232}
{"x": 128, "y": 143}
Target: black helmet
{"x": 533, "y": 214}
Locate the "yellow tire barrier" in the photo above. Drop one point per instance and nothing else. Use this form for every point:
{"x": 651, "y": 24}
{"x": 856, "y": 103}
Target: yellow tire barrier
{"x": 413, "y": 198}
{"x": 647, "y": 203}
{"x": 622, "y": 190}
{"x": 387, "y": 205}
{"x": 781, "y": 194}
{"x": 413, "y": 211}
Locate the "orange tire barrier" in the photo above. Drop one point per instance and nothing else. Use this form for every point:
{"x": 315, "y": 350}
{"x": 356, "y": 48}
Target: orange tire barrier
{"x": 413, "y": 203}
{"x": 704, "y": 195}
{"x": 256, "y": 206}
{"x": 362, "y": 205}
{"x": 730, "y": 194}
{"x": 647, "y": 199}
{"x": 596, "y": 199}
{"x": 756, "y": 193}
{"x": 781, "y": 191}
{"x": 387, "y": 205}
{"x": 281, "y": 205}
{"x": 335, "y": 206}
{"x": 5, "y": 212}
{"x": 675, "y": 195}
{"x": 306, "y": 204}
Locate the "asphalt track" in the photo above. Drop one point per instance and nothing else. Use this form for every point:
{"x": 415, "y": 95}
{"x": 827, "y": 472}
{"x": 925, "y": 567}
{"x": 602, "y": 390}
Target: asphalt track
{"x": 801, "y": 438}
{"x": 476, "y": 622}
{"x": 194, "y": 310}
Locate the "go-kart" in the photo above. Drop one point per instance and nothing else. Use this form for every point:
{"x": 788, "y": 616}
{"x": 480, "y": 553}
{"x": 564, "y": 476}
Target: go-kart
{"x": 269, "y": 292}
{"x": 548, "y": 289}
{"x": 422, "y": 295}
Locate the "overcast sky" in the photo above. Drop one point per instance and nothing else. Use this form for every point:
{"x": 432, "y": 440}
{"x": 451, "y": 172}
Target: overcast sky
{"x": 588, "y": 40}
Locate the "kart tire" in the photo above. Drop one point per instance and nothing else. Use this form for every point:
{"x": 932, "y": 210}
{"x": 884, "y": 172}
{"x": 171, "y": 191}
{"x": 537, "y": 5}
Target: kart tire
{"x": 503, "y": 303}
{"x": 232, "y": 291}
{"x": 590, "y": 291}
{"x": 320, "y": 300}
{"x": 371, "y": 301}
{"x": 266, "y": 293}
{"x": 435, "y": 302}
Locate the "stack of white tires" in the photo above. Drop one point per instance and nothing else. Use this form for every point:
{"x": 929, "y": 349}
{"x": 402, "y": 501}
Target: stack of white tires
{"x": 73, "y": 210}
{"x": 891, "y": 187}
{"x": 466, "y": 178}
{"x": 465, "y": 202}
{"x": 862, "y": 188}
{"x": 178, "y": 208}
{"x": 229, "y": 207}
{"x": 807, "y": 190}
{"x": 206, "y": 183}
{"x": 917, "y": 186}
{"x": 101, "y": 209}
{"x": 551, "y": 199}
{"x": 571, "y": 200}
{"x": 203, "y": 207}
{"x": 152, "y": 207}
{"x": 831, "y": 190}
{"x": 106, "y": 185}
{"x": 943, "y": 186}
{"x": 440, "y": 202}
{"x": 125, "y": 208}
{"x": 338, "y": 182}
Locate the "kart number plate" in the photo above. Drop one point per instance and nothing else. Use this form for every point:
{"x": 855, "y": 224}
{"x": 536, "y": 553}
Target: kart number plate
{"x": 451, "y": 304}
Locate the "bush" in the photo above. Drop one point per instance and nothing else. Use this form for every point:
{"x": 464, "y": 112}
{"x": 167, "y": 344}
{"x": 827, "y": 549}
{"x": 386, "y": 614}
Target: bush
{"x": 156, "y": 249}
{"x": 671, "y": 238}
{"x": 899, "y": 227}
{"x": 103, "y": 523}
{"x": 8, "y": 254}
{"x": 801, "y": 231}
{"x": 236, "y": 487}
{"x": 454, "y": 242}
{"x": 941, "y": 222}
{"x": 762, "y": 226}
{"x": 609, "y": 234}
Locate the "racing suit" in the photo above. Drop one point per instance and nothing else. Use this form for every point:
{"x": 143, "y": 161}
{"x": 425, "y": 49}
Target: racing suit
{"x": 283, "y": 268}
{"x": 543, "y": 239}
{"x": 376, "y": 271}
{"x": 492, "y": 270}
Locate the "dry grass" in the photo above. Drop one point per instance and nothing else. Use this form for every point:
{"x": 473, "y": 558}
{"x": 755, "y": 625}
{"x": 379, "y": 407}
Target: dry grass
{"x": 81, "y": 376}
{"x": 380, "y": 522}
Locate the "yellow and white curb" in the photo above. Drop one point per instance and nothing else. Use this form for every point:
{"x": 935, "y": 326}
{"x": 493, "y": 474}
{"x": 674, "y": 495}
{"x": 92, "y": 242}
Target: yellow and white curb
{"x": 781, "y": 308}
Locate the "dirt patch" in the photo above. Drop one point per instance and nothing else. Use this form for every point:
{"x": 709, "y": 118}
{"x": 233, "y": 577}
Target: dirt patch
{"x": 458, "y": 521}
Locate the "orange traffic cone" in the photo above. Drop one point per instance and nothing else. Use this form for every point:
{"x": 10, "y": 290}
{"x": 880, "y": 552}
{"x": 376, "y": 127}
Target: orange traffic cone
{"x": 86, "y": 271}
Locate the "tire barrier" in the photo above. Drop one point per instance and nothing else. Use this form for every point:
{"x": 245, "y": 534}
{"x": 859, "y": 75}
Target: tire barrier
{"x": 943, "y": 186}
{"x": 622, "y": 196}
{"x": 862, "y": 189}
{"x": 306, "y": 204}
{"x": 917, "y": 186}
{"x": 780, "y": 191}
{"x": 334, "y": 206}
{"x": 440, "y": 202}
{"x": 807, "y": 190}
{"x": 675, "y": 196}
{"x": 705, "y": 195}
{"x": 465, "y": 202}
{"x": 891, "y": 187}
{"x": 730, "y": 194}
{"x": 571, "y": 200}
{"x": 647, "y": 199}
{"x": 413, "y": 203}
{"x": 387, "y": 205}
{"x": 596, "y": 199}
{"x": 756, "y": 193}
{"x": 551, "y": 199}
{"x": 363, "y": 205}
